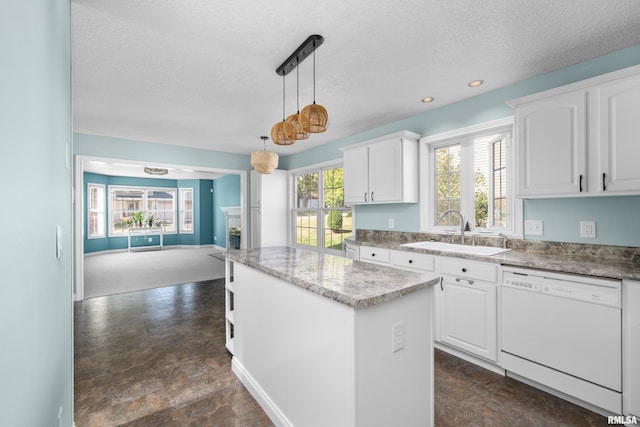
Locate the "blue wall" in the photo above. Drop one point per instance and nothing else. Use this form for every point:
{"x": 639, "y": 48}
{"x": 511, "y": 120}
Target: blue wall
{"x": 203, "y": 218}
{"x": 561, "y": 217}
{"x": 36, "y": 325}
{"x": 226, "y": 192}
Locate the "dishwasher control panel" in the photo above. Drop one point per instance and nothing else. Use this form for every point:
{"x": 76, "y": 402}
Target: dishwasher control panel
{"x": 599, "y": 291}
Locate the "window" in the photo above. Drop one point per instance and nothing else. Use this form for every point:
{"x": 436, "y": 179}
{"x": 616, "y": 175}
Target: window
{"x": 320, "y": 218}
{"x": 127, "y": 203}
{"x": 470, "y": 173}
{"x": 186, "y": 210}
{"x": 95, "y": 211}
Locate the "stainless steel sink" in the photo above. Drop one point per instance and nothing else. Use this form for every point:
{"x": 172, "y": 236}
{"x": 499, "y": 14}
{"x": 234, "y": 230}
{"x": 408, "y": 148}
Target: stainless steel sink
{"x": 452, "y": 247}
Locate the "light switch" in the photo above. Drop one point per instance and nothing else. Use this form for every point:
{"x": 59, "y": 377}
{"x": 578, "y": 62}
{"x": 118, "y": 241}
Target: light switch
{"x": 58, "y": 241}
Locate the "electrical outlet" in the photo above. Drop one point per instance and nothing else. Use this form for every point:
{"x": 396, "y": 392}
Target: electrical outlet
{"x": 397, "y": 337}
{"x": 150, "y": 239}
{"x": 588, "y": 229}
{"x": 215, "y": 238}
{"x": 392, "y": 223}
{"x": 533, "y": 228}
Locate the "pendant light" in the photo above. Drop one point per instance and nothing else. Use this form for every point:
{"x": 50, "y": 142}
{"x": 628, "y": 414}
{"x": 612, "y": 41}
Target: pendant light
{"x": 280, "y": 131}
{"x": 297, "y": 133}
{"x": 314, "y": 117}
{"x": 264, "y": 161}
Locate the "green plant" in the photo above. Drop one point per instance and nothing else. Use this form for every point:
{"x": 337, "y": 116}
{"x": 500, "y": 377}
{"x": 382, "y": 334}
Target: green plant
{"x": 138, "y": 217}
{"x": 150, "y": 220}
{"x": 125, "y": 222}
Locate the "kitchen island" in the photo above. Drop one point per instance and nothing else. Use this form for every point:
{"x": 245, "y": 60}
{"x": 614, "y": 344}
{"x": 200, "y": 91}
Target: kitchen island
{"x": 321, "y": 340}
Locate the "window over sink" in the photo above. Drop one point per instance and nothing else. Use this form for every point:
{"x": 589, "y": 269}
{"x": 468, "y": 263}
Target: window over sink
{"x": 469, "y": 170}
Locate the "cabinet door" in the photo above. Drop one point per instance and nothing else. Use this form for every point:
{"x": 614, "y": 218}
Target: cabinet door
{"x": 468, "y": 317}
{"x": 551, "y": 145}
{"x": 619, "y": 104}
{"x": 385, "y": 171}
{"x": 356, "y": 175}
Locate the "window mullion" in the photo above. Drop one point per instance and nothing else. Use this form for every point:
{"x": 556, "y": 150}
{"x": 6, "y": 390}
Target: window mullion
{"x": 467, "y": 180}
{"x": 490, "y": 183}
{"x": 320, "y": 213}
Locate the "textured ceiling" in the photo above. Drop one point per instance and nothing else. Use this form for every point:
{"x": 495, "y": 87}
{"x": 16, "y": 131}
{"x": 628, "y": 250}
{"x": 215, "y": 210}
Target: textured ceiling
{"x": 201, "y": 73}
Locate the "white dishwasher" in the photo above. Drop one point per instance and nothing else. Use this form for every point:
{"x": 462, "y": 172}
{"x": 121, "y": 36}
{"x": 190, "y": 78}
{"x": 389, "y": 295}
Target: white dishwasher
{"x": 564, "y": 332}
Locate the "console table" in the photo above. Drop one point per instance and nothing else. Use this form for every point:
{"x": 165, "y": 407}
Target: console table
{"x": 145, "y": 231}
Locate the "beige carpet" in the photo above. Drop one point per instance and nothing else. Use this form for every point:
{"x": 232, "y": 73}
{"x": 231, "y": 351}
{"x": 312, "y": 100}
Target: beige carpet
{"x": 114, "y": 273}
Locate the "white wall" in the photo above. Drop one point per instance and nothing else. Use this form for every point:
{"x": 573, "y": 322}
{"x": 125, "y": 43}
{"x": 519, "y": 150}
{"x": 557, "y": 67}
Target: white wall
{"x": 36, "y": 355}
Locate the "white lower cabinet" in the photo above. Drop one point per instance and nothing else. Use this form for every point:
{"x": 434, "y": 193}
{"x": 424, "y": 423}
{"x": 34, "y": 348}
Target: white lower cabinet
{"x": 468, "y": 316}
{"x": 375, "y": 255}
{"x": 465, "y": 303}
{"x": 467, "y": 306}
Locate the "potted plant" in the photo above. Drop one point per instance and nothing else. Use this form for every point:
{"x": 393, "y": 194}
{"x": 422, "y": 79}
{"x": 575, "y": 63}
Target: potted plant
{"x": 124, "y": 223}
{"x": 150, "y": 221}
{"x": 137, "y": 217}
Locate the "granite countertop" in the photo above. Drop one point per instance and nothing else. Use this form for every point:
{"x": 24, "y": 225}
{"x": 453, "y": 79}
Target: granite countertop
{"x": 595, "y": 264}
{"x": 353, "y": 283}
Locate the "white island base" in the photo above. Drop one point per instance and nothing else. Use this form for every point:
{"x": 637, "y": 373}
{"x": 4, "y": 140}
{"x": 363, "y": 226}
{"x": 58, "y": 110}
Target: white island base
{"x": 311, "y": 361}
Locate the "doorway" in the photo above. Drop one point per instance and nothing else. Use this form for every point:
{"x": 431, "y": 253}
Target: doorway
{"x": 124, "y": 167}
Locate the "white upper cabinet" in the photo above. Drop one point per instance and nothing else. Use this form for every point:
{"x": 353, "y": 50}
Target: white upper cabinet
{"x": 384, "y": 170}
{"x": 619, "y": 136}
{"x": 581, "y": 139}
{"x": 551, "y": 145}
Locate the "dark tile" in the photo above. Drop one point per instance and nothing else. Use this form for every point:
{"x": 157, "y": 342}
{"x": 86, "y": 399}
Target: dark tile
{"x": 157, "y": 358}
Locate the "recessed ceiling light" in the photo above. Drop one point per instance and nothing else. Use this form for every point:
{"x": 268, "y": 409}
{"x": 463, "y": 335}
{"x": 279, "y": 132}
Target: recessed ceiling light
{"x": 475, "y": 83}
{"x": 427, "y": 100}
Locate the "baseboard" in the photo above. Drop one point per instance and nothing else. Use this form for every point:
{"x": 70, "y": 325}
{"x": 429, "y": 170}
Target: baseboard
{"x": 259, "y": 395}
{"x": 165, "y": 247}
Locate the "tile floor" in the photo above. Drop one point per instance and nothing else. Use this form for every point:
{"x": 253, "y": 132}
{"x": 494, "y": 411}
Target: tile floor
{"x": 157, "y": 358}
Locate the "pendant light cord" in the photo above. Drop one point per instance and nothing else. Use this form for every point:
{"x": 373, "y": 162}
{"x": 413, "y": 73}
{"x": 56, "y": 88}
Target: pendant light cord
{"x": 314, "y": 72}
{"x": 283, "y": 97}
{"x": 298, "y": 89}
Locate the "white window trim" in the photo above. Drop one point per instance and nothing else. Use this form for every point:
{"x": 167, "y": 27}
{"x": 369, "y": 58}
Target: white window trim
{"x": 104, "y": 220}
{"x": 318, "y": 167}
{"x": 110, "y": 217}
{"x": 427, "y": 207}
{"x": 181, "y": 229}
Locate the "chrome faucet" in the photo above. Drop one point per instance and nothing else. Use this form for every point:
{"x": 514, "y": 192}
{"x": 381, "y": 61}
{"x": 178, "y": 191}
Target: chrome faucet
{"x": 461, "y": 222}
{"x": 504, "y": 240}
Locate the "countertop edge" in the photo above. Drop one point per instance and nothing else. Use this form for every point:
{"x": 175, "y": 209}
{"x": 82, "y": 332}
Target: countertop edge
{"x": 355, "y": 303}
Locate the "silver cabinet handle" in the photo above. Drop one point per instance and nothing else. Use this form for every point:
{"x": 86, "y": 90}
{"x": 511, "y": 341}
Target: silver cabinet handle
{"x": 372, "y": 196}
{"x": 604, "y": 181}
{"x": 365, "y": 196}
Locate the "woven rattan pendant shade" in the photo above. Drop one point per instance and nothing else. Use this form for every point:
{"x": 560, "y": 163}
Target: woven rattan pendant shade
{"x": 264, "y": 161}
{"x": 314, "y": 118}
{"x": 296, "y": 130}
{"x": 280, "y": 133}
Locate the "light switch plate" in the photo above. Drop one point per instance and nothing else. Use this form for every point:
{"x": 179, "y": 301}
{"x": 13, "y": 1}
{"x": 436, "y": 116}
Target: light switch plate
{"x": 533, "y": 227}
{"x": 392, "y": 223}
